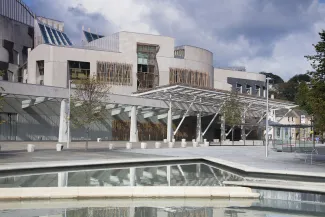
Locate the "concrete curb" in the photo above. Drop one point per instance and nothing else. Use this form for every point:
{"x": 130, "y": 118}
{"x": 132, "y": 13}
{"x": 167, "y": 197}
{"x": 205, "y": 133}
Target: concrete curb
{"x": 309, "y": 187}
{"x": 139, "y": 202}
{"x": 125, "y": 192}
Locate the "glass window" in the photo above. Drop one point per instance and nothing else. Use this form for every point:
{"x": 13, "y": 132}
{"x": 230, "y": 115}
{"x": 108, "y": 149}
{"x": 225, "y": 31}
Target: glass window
{"x": 43, "y": 31}
{"x": 67, "y": 39}
{"x": 50, "y": 34}
{"x": 40, "y": 67}
{"x": 79, "y": 70}
{"x": 62, "y": 38}
{"x": 57, "y": 37}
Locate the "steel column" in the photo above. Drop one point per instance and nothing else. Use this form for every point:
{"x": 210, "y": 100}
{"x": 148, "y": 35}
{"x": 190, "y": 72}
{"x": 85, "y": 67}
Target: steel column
{"x": 133, "y": 125}
{"x": 214, "y": 117}
{"x": 170, "y": 122}
{"x": 184, "y": 116}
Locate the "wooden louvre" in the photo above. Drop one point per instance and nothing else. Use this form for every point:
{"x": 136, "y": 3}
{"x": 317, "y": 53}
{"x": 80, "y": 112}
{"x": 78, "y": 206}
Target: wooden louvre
{"x": 188, "y": 76}
{"x": 115, "y": 73}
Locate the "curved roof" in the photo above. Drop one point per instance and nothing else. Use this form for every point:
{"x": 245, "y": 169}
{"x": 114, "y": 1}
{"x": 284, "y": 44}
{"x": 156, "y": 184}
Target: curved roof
{"x": 14, "y": 9}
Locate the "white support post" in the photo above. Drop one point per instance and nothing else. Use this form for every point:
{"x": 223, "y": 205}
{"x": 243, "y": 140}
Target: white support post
{"x": 133, "y": 125}
{"x": 69, "y": 115}
{"x": 223, "y": 129}
{"x": 259, "y": 121}
{"x": 199, "y": 127}
{"x": 214, "y": 117}
{"x": 267, "y": 118}
{"x": 184, "y": 116}
{"x": 170, "y": 122}
{"x": 169, "y": 174}
{"x": 231, "y": 129}
{"x": 63, "y": 128}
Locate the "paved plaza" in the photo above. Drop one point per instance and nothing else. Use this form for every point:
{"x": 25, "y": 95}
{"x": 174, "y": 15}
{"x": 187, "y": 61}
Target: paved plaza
{"x": 243, "y": 155}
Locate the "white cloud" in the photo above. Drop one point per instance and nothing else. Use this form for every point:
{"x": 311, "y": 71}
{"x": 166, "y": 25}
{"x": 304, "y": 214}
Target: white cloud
{"x": 126, "y": 15}
{"x": 265, "y": 35}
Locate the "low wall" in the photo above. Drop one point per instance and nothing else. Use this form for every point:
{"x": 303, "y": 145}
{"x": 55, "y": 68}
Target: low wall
{"x": 125, "y": 192}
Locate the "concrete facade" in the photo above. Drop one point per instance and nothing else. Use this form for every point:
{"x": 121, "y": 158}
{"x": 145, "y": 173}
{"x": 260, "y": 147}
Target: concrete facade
{"x": 105, "y": 49}
{"x": 16, "y": 36}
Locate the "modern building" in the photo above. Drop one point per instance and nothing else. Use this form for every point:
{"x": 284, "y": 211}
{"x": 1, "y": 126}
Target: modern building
{"x": 37, "y": 52}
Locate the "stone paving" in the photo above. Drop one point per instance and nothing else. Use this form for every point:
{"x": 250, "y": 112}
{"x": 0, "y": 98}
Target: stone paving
{"x": 244, "y": 155}
{"x": 249, "y": 156}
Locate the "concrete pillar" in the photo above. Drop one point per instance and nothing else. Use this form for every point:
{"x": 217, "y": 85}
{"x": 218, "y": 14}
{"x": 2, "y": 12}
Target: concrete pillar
{"x": 198, "y": 127}
{"x": 243, "y": 131}
{"x": 133, "y": 125}
{"x": 170, "y": 132}
{"x": 63, "y": 179}
{"x": 132, "y": 176}
{"x": 223, "y": 129}
{"x": 63, "y": 128}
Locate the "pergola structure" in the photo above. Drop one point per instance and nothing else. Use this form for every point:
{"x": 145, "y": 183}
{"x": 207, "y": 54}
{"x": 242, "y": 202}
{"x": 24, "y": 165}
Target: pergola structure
{"x": 253, "y": 106}
{"x": 171, "y": 102}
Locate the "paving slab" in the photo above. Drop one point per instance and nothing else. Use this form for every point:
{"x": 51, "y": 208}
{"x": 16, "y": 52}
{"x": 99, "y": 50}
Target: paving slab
{"x": 253, "y": 157}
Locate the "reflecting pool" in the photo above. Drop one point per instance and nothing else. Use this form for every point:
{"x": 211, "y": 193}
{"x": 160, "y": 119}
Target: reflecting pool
{"x": 158, "y": 208}
{"x": 196, "y": 174}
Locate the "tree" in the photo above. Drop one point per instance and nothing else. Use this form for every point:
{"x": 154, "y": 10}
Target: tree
{"x": 275, "y": 78}
{"x": 87, "y": 104}
{"x": 232, "y": 111}
{"x": 303, "y": 97}
{"x": 317, "y": 91}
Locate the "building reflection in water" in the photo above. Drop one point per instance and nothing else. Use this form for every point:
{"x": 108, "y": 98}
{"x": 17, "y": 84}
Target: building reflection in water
{"x": 140, "y": 212}
{"x": 162, "y": 175}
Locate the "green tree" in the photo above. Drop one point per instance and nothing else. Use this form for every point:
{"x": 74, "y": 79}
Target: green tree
{"x": 87, "y": 104}
{"x": 317, "y": 91}
{"x": 303, "y": 97}
{"x": 275, "y": 78}
{"x": 232, "y": 111}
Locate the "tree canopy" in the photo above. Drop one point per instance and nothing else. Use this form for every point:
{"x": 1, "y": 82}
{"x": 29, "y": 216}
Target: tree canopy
{"x": 316, "y": 94}
{"x": 275, "y": 78}
{"x": 87, "y": 104}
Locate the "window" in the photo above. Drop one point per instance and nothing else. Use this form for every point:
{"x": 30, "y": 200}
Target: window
{"x": 40, "y": 67}
{"x": 288, "y": 118}
{"x": 248, "y": 89}
{"x": 179, "y": 53}
{"x": 239, "y": 88}
{"x": 278, "y": 132}
{"x": 257, "y": 90}
{"x": 114, "y": 73}
{"x": 79, "y": 70}
{"x": 147, "y": 70}
{"x": 41, "y": 82}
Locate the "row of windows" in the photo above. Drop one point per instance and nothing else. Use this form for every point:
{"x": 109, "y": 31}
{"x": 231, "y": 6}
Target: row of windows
{"x": 53, "y": 36}
{"x": 16, "y": 10}
{"x": 247, "y": 89}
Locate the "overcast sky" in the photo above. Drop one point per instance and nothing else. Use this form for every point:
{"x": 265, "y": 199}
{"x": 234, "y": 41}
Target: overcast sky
{"x": 262, "y": 35}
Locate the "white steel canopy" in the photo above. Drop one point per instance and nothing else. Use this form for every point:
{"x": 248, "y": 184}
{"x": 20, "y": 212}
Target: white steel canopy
{"x": 211, "y": 97}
